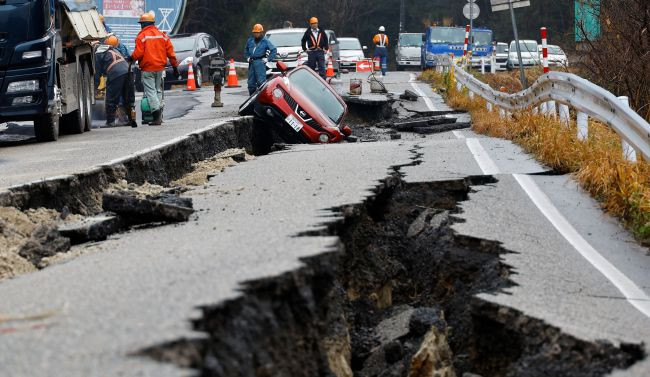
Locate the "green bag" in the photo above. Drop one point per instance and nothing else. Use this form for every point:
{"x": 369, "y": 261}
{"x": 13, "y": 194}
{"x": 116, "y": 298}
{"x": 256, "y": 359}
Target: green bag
{"x": 147, "y": 116}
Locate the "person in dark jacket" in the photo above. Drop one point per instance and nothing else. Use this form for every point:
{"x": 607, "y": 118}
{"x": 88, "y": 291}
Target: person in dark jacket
{"x": 316, "y": 44}
{"x": 109, "y": 62}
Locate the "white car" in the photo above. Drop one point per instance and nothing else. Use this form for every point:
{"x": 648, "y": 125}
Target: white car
{"x": 502, "y": 56}
{"x": 529, "y": 54}
{"x": 556, "y": 56}
{"x": 351, "y": 52}
{"x": 288, "y": 43}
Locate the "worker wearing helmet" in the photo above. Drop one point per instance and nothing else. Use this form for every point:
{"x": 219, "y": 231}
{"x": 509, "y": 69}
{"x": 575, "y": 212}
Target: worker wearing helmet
{"x": 381, "y": 49}
{"x": 316, "y": 44}
{"x": 152, "y": 49}
{"x": 259, "y": 51}
{"x": 109, "y": 62}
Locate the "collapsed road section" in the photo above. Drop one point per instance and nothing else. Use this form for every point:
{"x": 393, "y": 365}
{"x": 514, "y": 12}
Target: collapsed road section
{"x": 395, "y": 298}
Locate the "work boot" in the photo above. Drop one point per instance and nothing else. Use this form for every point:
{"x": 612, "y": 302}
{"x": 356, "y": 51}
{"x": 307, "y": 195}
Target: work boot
{"x": 217, "y": 100}
{"x": 157, "y": 118}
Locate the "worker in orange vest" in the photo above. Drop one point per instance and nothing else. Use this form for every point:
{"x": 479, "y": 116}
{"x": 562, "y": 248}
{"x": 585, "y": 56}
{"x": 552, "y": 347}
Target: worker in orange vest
{"x": 381, "y": 49}
{"x": 316, "y": 44}
{"x": 152, "y": 49}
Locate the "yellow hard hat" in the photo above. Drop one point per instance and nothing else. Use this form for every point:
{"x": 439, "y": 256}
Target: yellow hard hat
{"x": 112, "y": 41}
{"x": 148, "y": 17}
{"x": 313, "y": 20}
{"x": 258, "y": 28}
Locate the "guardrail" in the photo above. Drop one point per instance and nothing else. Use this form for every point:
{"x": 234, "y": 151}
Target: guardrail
{"x": 568, "y": 89}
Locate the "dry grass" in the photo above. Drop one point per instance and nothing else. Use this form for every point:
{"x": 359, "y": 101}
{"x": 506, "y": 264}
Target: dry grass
{"x": 622, "y": 188}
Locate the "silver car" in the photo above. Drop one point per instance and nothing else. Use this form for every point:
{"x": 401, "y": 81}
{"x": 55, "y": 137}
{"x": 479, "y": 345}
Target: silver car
{"x": 351, "y": 52}
{"x": 408, "y": 50}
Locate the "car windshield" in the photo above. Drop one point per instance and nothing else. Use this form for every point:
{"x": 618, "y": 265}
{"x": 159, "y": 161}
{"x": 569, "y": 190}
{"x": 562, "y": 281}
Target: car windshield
{"x": 555, "y": 50}
{"x": 350, "y": 44}
{"x": 482, "y": 38}
{"x": 321, "y": 96}
{"x": 410, "y": 40}
{"x": 501, "y": 49}
{"x": 183, "y": 44}
{"x": 285, "y": 39}
{"x": 447, "y": 35}
{"x": 524, "y": 46}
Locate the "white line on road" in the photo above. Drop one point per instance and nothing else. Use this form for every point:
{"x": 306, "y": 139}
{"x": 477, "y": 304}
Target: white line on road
{"x": 634, "y": 295}
{"x": 482, "y": 157}
{"x": 419, "y": 91}
{"x": 458, "y": 134}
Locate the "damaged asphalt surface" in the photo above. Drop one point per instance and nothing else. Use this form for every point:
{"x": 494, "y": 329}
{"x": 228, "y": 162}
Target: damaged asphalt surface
{"x": 141, "y": 289}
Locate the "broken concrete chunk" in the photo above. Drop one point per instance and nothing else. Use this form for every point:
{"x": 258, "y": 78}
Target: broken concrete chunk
{"x": 423, "y": 319}
{"x": 434, "y": 358}
{"x": 96, "y": 228}
{"x": 394, "y": 327}
{"x": 395, "y": 136}
{"x": 441, "y": 128}
{"x": 44, "y": 242}
{"x": 163, "y": 207}
{"x": 409, "y": 95}
{"x": 420, "y": 223}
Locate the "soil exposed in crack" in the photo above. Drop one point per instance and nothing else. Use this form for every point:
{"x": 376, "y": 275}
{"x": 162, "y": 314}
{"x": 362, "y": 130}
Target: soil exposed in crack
{"x": 396, "y": 298}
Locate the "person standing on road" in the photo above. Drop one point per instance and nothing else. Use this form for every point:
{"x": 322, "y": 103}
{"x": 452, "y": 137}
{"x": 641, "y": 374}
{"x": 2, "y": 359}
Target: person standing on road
{"x": 119, "y": 83}
{"x": 381, "y": 49}
{"x": 152, "y": 49}
{"x": 259, "y": 51}
{"x": 316, "y": 44}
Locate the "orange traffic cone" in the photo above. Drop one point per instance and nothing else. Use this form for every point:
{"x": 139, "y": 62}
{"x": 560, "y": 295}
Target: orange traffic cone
{"x": 233, "y": 82}
{"x": 191, "y": 81}
{"x": 330, "y": 68}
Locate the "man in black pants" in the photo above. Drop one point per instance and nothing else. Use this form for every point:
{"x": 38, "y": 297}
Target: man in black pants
{"x": 316, "y": 44}
{"x": 111, "y": 63}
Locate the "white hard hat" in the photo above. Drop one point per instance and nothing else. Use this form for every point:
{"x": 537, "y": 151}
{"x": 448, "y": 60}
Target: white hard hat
{"x": 381, "y": 28}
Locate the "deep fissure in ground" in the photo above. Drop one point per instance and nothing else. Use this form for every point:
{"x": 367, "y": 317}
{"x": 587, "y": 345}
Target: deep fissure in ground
{"x": 396, "y": 297}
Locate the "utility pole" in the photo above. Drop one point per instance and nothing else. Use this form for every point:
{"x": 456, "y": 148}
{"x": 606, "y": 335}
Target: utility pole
{"x": 402, "y": 16}
{"x": 522, "y": 75}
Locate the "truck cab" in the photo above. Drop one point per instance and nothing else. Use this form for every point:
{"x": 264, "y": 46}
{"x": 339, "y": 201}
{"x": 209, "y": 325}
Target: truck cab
{"x": 441, "y": 41}
{"x": 46, "y": 64}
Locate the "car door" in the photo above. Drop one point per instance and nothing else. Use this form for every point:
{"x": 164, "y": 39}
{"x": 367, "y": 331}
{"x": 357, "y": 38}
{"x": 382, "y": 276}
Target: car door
{"x": 335, "y": 47}
{"x": 203, "y": 54}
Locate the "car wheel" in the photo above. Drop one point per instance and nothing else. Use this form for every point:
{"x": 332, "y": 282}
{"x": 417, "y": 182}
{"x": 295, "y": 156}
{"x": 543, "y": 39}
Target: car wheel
{"x": 198, "y": 76}
{"x": 261, "y": 137}
{"x": 89, "y": 104}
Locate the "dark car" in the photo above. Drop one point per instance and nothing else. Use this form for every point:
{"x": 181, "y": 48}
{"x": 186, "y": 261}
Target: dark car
{"x": 299, "y": 106}
{"x": 200, "y": 49}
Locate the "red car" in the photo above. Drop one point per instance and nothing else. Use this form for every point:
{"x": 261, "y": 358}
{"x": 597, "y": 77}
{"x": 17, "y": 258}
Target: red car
{"x": 300, "y": 106}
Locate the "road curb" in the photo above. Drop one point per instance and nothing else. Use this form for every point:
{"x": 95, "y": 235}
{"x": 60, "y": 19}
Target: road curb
{"x": 82, "y": 192}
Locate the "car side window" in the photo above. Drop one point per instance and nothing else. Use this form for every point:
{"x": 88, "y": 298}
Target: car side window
{"x": 202, "y": 43}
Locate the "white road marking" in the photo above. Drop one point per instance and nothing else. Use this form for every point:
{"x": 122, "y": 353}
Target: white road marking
{"x": 458, "y": 134}
{"x": 419, "y": 91}
{"x": 482, "y": 157}
{"x": 634, "y": 295}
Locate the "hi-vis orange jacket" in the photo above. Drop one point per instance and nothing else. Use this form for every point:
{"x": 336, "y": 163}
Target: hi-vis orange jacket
{"x": 152, "y": 48}
{"x": 380, "y": 40}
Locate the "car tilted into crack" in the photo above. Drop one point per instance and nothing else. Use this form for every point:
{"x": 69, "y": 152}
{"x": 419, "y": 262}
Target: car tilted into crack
{"x": 299, "y": 107}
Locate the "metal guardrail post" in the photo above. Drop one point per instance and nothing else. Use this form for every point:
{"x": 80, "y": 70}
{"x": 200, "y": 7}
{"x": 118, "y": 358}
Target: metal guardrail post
{"x": 488, "y": 106}
{"x": 551, "y": 109}
{"x": 565, "y": 115}
{"x": 628, "y": 152}
{"x": 583, "y": 125}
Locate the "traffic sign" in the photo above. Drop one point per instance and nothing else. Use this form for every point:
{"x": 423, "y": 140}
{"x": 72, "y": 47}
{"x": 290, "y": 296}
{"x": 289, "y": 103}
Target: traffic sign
{"x": 122, "y": 16}
{"x": 364, "y": 66}
{"x": 499, "y": 5}
{"x": 471, "y": 13}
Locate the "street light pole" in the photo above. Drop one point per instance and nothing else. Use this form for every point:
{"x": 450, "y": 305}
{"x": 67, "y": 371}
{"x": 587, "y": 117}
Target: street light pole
{"x": 402, "y": 16}
{"x": 522, "y": 75}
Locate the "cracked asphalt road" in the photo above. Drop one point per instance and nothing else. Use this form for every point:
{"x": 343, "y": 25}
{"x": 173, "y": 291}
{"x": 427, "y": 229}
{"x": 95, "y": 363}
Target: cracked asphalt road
{"x": 142, "y": 288}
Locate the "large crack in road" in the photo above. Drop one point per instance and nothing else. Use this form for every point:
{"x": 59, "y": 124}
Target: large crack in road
{"x": 396, "y": 297}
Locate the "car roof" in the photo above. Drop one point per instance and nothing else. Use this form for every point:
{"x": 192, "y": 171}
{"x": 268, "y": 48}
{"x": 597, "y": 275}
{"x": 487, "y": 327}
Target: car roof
{"x": 286, "y": 30}
{"x": 348, "y": 39}
{"x": 525, "y": 41}
{"x": 186, "y": 35}
{"x": 502, "y": 43}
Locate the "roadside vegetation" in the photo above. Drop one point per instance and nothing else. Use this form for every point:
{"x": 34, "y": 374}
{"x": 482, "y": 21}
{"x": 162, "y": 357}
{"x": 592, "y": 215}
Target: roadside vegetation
{"x": 622, "y": 188}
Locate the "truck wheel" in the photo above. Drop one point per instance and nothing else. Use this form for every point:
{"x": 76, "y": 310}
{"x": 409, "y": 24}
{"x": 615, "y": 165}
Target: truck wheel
{"x": 86, "y": 87}
{"x": 46, "y": 127}
{"x": 75, "y": 122}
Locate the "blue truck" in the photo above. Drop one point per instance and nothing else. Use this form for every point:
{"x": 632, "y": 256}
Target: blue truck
{"x": 440, "y": 41}
{"x": 47, "y": 64}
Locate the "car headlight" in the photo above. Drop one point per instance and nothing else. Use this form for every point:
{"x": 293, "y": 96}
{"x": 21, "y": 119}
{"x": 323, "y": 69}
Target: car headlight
{"x": 323, "y": 138}
{"x": 187, "y": 61}
{"x": 23, "y": 86}
{"x": 277, "y": 93}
